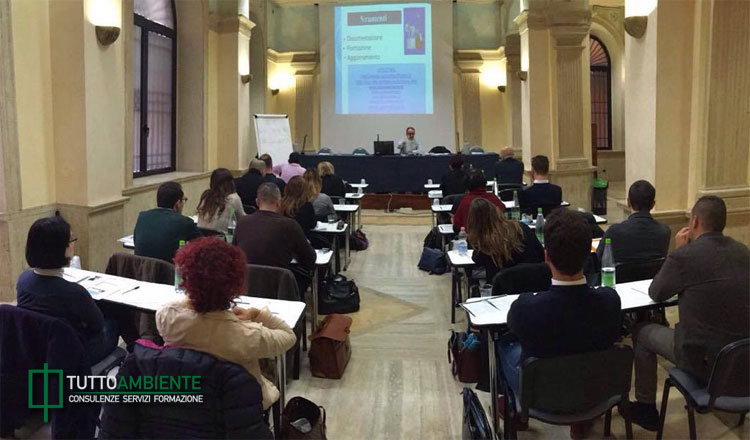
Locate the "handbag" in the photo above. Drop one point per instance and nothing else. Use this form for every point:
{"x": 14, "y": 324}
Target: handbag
{"x": 358, "y": 241}
{"x": 433, "y": 239}
{"x": 475, "y": 424}
{"x": 292, "y": 425}
{"x": 337, "y": 295}
{"x": 433, "y": 261}
{"x": 466, "y": 363}
{"x": 330, "y": 349}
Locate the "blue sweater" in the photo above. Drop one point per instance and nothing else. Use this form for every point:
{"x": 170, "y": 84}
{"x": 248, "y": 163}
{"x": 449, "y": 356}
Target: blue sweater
{"x": 54, "y": 296}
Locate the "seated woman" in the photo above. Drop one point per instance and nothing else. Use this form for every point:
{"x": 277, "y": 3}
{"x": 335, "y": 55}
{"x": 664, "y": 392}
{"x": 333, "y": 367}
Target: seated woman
{"x": 332, "y": 185}
{"x": 49, "y": 248}
{"x": 296, "y": 205}
{"x": 455, "y": 181}
{"x": 323, "y": 205}
{"x": 213, "y": 274}
{"x": 498, "y": 242}
{"x": 219, "y": 201}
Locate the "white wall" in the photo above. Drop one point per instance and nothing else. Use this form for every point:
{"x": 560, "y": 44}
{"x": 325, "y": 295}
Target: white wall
{"x": 342, "y": 133}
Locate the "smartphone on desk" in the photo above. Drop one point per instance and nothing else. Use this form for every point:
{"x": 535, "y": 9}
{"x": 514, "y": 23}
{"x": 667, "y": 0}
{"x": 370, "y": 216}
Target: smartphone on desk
{"x": 340, "y": 225}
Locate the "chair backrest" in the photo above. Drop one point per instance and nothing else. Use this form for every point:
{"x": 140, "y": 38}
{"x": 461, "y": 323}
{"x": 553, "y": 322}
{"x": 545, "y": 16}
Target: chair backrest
{"x": 476, "y": 150}
{"x": 636, "y": 271}
{"x": 271, "y": 282}
{"x": 231, "y": 407}
{"x": 729, "y": 375}
{"x": 324, "y": 150}
{"x": 505, "y": 191}
{"x": 249, "y": 209}
{"x": 360, "y": 152}
{"x": 533, "y": 209}
{"x": 140, "y": 268}
{"x": 569, "y": 385}
{"x": 439, "y": 149}
{"x": 522, "y": 278}
{"x": 211, "y": 232}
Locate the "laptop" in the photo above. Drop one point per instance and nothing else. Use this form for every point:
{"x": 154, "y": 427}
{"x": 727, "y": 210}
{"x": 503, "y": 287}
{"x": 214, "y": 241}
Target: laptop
{"x": 383, "y": 148}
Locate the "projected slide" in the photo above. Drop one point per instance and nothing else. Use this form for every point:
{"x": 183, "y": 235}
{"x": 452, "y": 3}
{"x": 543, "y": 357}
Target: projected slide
{"x": 383, "y": 59}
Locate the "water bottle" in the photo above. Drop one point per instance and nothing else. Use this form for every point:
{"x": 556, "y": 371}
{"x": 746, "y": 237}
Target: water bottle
{"x": 232, "y": 224}
{"x": 608, "y": 265}
{"x": 75, "y": 262}
{"x": 461, "y": 243}
{"x": 515, "y": 212}
{"x": 435, "y": 202}
{"x": 539, "y": 226}
{"x": 429, "y": 181}
{"x": 177, "y": 276}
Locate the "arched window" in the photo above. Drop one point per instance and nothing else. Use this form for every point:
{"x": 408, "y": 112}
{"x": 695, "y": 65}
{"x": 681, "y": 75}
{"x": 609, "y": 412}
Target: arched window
{"x": 601, "y": 95}
{"x": 154, "y": 85}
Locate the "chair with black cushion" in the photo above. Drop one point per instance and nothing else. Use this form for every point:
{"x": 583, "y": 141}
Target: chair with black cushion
{"x": 522, "y": 278}
{"x": 532, "y": 210}
{"x": 279, "y": 283}
{"x": 249, "y": 209}
{"x": 476, "y": 150}
{"x": 360, "y": 152}
{"x": 232, "y": 405}
{"x": 639, "y": 270}
{"x": 591, "y": 269}
{"x": 439, "y": 149}
{"x": 324, "y": 150}
{"x": 571, "y": 389}
{"x": 728, "y": 387}
{"x": 505, "y": 191}
{"x": 211, "y": 233}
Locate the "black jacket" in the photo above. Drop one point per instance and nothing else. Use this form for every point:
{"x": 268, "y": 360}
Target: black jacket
{"x": 454, "y": 182}
{"x": 271, "y": 178}
{"x": 232, "y": 400}
{"x": 247, "y": 186}
{"x": 638, "y": 238}
{"x": 509, "y": 170}
{"x": 333, "y": 186}
{"x": 565, "y": 320}
{"x": 158, "y": 233}
{"x": 545, "y": 195}
{"x": 532, "y": 252}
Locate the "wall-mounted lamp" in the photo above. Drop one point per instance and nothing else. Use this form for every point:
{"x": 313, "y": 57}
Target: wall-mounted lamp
{"x": 246, "y": 78}
{"x": 636, "y": 16}
{"x": 501, "y": 89}
{"x": 636, "y": 26}
{"x": 107, "y": 35}
{"x": 280, "y": 81}
{"x": 493, "y": 75}
{"x": 274, "y": 92}
{"x": 523, "y": 75}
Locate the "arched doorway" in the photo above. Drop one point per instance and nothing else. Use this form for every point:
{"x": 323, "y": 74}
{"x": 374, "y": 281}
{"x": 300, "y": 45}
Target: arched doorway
{"x": 601, "y": 97}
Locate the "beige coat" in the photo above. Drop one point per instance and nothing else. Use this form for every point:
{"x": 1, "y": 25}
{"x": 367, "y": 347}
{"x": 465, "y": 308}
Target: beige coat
{"x": 223, "y": 335}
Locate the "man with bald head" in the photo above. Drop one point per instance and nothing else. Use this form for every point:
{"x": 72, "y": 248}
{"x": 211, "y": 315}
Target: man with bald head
{"x": 508, "y": 169}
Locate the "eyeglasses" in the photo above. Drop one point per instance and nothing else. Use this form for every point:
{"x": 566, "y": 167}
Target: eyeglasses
{"x": 184, "y": 199}
{"x": 72, "y": 239}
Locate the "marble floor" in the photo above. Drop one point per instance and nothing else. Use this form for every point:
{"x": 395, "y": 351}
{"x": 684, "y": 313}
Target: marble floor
{"x": 398, "y": 384}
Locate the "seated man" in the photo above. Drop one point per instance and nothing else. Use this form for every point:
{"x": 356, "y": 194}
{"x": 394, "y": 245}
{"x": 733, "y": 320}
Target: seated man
{"x": 477, "y": 188}
{"x": 640, "y": 237}
{"x": 508, "y": 169}
{"x": 455, "y": 181}
{"x": 409, "y": 145}
{"x": 571, "y": 317}
{"x": 247, "y": 185}
{"x": 269, "y": 176}
{"x": 271, "y": 239}
{"x": 710, "y": 274}
{"x": 542, "y": 193}
{"x": 158, "y": 231}
{"x": 290, "y": 169}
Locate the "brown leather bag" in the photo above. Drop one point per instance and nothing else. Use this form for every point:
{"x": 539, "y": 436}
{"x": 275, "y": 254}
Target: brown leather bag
{"x": 330, "y": 349}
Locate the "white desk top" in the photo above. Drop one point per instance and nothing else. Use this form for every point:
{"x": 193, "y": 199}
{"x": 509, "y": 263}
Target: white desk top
{"x": 329, "y": 228}
{"x": 446, "y": 229}
{"x": 321, "y": 258}
{"x": 354, "y": 196}
{"x": 494, "y": 310}
{"x": 359, "y": 185}
{"x": 441, "y": 208}
{"x": 431, "y": 185}
{"x": 151, "y": 296}
{"x": 346, "y": 208}
{"x": 435, "y": 194}
{"x": 461, "y": 260}
{"x": 127, "y": 241}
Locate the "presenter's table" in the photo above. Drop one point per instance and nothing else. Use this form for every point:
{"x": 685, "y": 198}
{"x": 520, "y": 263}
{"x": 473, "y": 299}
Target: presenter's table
{"x": 385, "y": 174}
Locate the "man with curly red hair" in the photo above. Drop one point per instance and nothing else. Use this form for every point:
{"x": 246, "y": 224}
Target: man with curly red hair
{"x": 213, "y": 274}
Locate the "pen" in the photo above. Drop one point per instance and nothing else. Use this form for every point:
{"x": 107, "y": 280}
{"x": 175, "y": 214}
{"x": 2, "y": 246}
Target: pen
{"x": 130, "y": 290}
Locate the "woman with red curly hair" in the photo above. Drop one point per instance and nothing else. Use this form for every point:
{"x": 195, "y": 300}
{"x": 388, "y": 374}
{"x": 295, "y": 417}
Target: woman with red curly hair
{"x": 213, "y": 274}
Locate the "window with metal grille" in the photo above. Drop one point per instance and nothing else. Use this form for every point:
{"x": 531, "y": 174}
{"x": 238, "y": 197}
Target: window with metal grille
{"x": 154, "y": 80}
{"x": 601, "y": 95}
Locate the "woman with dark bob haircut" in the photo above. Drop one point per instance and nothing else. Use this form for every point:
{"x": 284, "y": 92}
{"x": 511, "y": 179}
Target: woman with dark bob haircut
{"x": 49, "y": 248}
{"x": 213, "y": 274}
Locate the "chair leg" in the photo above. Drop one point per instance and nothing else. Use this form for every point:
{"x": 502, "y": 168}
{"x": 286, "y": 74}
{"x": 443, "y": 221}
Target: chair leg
{"x": 625, "y": 412}
{"x": 691, "y": 422}
{"x": 295, "y": 367}
{"x": 741, "y": 422}
{"x": 304, "y": 332}
{"x": 663, "y": 412}
{"x": 608, "y": 422}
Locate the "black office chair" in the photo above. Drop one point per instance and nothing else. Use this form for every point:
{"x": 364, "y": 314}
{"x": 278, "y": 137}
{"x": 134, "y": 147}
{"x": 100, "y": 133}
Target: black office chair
{"x": 360, "y": 152}
{"x": 637, "y": 271}
{"x": 211, "y": 233}
{"x": 476, "y": 150}
{"x": 572, "y": 389}
{"x": 439, "y": 149}
{"x": 249, "y": 209}
{"x": 505, "y": 191}
{"x": 532, "y": 210}
{"x": 324, "y": 150}
{"x": 728, "y": 387}
{"x": 522, "y": 278}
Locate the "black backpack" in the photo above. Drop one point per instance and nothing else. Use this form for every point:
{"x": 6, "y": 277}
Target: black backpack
{"x": 337, "y": 295}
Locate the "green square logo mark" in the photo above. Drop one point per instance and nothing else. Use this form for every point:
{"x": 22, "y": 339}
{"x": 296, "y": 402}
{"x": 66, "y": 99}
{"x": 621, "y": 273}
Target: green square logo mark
{"x": 46, "y": 405}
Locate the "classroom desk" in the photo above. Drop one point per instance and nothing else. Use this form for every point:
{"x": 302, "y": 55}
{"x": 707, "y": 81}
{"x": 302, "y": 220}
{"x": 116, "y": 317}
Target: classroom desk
{"x": 331, "y": 228}
{"x": 491, "y": 315}
{"x": 150, "y": 297}
{"x": 457, "y": 262}
{"x": 390, "y": 174}
{"x": 322, "y": 259}
{"x": 358, "y": 198}
{"x": 445, "y": 230}
{"x": 435, "y": 209}
{"x": 350, "y": 212}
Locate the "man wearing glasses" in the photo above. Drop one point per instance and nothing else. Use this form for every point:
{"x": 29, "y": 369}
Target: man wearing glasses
{"x": 158, "y": 231}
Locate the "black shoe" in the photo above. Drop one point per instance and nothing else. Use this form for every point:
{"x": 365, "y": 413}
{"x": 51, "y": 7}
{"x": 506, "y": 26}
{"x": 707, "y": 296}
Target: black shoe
{"x": 645, "y": 415}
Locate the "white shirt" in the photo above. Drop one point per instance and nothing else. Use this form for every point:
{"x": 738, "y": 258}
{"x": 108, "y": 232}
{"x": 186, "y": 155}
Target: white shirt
{"x": 541, "y": 181}
{"x": 580, "y": 282}
{"x": 406, "y": 146}
{"x": 220, "y": 222}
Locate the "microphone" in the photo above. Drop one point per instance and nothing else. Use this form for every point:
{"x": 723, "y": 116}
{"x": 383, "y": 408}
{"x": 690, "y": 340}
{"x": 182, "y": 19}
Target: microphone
{"x": 378, "y": 139}
{"x": 304, "y": 141}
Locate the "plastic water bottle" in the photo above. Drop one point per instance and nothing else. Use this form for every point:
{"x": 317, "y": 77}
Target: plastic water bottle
{"x": 75, "y": 262}
{"x": 177, "y": 276}
{"x": 359, "y": 190}
{"x": 435, "y": 202}
{"x": 461, "y": 243}
{"x": 515, "y": 212}
{"x": 608, "y": 265}
{"x": 232, "y": 224}
{"x": 539, "y": 226}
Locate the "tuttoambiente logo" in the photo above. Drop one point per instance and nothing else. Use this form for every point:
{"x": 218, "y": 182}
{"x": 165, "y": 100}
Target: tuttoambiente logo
{"x": 110, "y": 389}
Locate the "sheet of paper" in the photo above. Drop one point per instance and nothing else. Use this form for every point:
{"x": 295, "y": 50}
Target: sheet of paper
{"x": 101, "y": 287}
